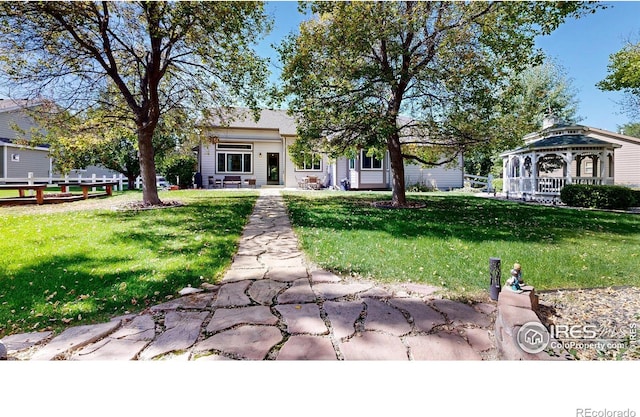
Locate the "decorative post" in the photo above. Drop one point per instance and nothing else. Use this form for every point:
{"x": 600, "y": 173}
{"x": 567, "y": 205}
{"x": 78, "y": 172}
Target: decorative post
{"x": 494, "y": 274}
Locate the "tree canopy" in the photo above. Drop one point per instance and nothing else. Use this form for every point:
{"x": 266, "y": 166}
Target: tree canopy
{"x": 624, "y": 75}
{"x": 528, "y": 97}
{"x": 630, "y": 129}
{"x": 138, "y": 60}
{"x": 396, "y": 76}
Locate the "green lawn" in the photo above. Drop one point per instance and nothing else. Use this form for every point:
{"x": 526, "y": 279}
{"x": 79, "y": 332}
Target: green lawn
{"x": 449, "y": 242}
{"x": 89, "y": 265}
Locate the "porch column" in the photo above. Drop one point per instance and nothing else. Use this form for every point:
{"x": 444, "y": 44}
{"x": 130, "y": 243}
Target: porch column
{"x": 534, "y": 172}
{"x": 568, "y": 159}
{"x": 520, "y": 173}
{"x": 594, "y": 166}
{"x": 611, "y": 170}
{"x": 603, "y": 167}
{"x": 505, "y": 175}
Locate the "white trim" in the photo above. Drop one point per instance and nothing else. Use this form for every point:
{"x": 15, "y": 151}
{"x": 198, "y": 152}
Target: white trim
{"x": 314, "y": 157}
{"x": 221, "y": 150}
{"x": 373, "y": 158}
{"x": 13, "y": 145}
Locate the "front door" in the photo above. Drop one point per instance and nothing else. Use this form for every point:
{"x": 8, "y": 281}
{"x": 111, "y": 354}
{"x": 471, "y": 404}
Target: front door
{"x": 273, "y": 168}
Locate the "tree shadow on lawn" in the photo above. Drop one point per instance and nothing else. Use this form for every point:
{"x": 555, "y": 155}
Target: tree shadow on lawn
{"x": 186, "y": 229}
{"x": 467, "y": 218}
{"x": 63, "y": 290}
{"x": 191, "y": 241}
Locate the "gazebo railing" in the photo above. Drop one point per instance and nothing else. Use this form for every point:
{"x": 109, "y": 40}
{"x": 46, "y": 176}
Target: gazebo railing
{"x": 550, "y": 185}
{"x": 525, "y": 185}
{"x": 592, "y": 180}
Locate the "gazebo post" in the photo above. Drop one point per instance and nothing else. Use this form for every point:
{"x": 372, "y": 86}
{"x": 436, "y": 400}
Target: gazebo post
{"x": 568, "y": 160}
{"x": 534, "y": 173}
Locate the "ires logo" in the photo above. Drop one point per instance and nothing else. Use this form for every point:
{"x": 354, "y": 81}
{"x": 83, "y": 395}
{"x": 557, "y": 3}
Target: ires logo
{"x": 565, "y": 331}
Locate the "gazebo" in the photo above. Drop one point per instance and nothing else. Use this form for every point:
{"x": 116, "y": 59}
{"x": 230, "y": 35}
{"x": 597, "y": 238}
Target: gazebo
{"x": 557, "y": 156}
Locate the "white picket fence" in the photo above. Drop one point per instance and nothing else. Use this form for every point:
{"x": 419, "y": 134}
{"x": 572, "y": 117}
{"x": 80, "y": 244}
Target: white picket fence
{"x": 486, "y": 182}
{"x": 31, "y": 179}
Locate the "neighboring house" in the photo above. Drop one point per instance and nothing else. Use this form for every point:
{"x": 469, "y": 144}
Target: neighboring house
{"x": 260, "y": 151}
{"x": 563, "y": 154}
{"x": 18, "y": 159}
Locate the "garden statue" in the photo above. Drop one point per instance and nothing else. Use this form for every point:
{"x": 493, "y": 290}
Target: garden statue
{"x": 515, "y": 281}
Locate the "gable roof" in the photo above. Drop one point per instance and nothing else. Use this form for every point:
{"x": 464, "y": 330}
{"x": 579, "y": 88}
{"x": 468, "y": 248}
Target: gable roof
{"x": 614, "y": 135}
{"x": 8, "y": 105}
{"x": 240, "y": 117}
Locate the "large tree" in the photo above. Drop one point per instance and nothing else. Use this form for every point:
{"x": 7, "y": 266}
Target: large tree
{"x": 156, "y": 56}
{"x": 355, "y": 70}
{"x": 528, "y": 97}
{"x": 624, "y": 75}
{"x": 76, "y": 143}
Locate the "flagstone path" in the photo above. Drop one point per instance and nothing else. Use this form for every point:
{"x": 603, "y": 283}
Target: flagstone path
{"x": 273, "y": 305}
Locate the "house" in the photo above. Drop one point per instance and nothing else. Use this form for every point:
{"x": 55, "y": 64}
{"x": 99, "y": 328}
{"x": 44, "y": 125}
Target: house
{"x": 259, "y": 150}
{"x": 563, "y": 154}
{"x": 18, "y": 159}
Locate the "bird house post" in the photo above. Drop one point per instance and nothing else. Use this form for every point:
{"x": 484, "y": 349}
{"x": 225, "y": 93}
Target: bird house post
{"x": 494, "y": 276}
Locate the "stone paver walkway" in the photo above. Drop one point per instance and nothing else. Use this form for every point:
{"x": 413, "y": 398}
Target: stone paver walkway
{"x": 272, "y": 305}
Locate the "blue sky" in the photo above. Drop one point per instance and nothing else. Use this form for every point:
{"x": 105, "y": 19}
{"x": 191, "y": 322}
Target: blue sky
{"x": 581, "y": 46}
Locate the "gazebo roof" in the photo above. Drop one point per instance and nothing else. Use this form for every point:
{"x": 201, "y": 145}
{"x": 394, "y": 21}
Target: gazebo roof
{"x": 564, "y": 141}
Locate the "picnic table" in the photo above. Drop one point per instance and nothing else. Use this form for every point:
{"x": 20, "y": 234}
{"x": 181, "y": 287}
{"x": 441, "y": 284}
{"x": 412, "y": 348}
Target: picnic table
{"x": 107, "y": 185}
{"x": 38, "y": 188}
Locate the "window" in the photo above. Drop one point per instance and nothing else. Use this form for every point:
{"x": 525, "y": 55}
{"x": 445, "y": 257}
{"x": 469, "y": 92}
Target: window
{"x": 234, "y": 157}
{"x": 352, "y": 163}
{"x": 369, "y": 162}
{"x": 311, "y": 162}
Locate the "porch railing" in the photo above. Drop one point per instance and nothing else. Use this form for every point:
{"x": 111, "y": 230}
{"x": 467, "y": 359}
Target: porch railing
{"x": 551, "y": 185}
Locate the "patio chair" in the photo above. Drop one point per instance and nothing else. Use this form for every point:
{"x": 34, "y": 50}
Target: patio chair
{"x": 302, "y": 182}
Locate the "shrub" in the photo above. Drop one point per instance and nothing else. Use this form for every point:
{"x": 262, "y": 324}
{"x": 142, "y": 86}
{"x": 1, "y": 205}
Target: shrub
{"x": 597, "y": 196}
{"x": 420, "y": 188}
{"x": 182, "y": 166}
{"x": 497, "y": 184}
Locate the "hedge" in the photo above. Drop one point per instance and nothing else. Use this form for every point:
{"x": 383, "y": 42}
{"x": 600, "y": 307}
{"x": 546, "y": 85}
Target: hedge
{"x": 598, "y": 196}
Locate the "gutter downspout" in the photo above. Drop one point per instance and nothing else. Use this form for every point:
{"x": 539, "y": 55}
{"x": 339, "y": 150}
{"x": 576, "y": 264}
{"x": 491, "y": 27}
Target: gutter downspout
{"x": 4, "y": 166}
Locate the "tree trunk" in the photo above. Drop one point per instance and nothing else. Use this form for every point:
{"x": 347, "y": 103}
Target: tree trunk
{"x": 399, "y": 197}
{"x": 147, "y": 167}
{"x": 131, "y": 179}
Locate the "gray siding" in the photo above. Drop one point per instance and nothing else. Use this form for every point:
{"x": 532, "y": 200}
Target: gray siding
{"x": 8, "y": 119}
{"x": 21, "y": 161}
{"x": 441, "y": 177}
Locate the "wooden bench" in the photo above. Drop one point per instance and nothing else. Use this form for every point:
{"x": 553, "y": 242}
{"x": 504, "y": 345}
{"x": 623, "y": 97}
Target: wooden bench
{"x": 107, "y": 185}
{"x": 232, "y": 180}
{"x": 38, "y": 188}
